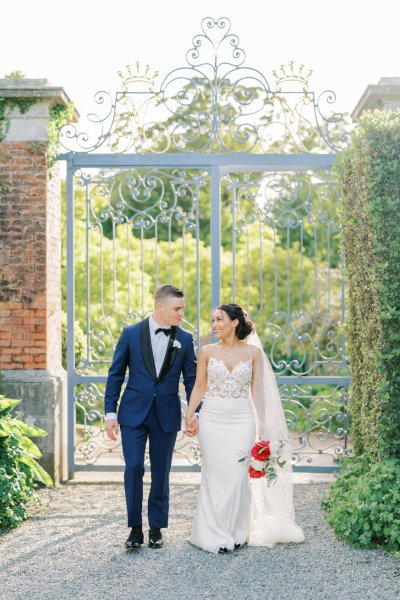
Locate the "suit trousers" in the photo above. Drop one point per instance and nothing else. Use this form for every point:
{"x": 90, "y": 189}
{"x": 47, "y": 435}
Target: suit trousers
{"x": 161, "y": 447}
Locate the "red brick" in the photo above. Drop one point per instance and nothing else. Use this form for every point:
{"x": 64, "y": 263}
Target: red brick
{"x": 22, "y": 343}
{"x": 32, "y": 270}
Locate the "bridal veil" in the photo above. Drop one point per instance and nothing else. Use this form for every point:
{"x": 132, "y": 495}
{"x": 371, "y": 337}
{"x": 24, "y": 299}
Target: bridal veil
{"x": 272, "y": 510}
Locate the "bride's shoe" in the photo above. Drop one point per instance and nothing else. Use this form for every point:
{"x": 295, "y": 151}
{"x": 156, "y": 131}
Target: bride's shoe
{"x": 237, "y": 546}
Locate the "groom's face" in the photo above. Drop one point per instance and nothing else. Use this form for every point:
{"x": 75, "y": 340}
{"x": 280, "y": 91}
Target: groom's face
{"x": 171, "y": 310}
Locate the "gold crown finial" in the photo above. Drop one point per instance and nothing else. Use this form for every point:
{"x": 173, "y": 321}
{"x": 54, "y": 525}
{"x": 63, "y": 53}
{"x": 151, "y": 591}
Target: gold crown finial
{"x": 135, "y": 74}
{"x": 291, "y": 73}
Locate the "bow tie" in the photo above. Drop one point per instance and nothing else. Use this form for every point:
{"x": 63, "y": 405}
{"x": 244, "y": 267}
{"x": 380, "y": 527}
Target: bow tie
{"x": 166, "y": 331}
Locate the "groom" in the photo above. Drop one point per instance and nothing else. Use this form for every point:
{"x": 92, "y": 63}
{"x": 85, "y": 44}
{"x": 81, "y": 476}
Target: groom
{"x": 156, "y": 352}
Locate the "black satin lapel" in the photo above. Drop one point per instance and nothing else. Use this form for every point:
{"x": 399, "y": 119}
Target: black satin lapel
{"x": 170, "y": 354}
{"x": 147, "y": 351}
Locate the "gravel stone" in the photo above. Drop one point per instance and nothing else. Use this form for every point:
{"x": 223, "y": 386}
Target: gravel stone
{"x": 72, "y": 547}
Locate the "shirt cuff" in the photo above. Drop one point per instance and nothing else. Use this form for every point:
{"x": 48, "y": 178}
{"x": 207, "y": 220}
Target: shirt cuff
{"x": 110, "y": 416}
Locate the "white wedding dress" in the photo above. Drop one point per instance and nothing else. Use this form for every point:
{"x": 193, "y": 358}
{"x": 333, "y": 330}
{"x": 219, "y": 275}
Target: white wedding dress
{"x": 227, "y": 430}
{"x": 231, "y": 507}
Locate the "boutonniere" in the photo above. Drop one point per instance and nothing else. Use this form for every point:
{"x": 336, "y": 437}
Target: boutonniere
{"x": 177, "y": 344}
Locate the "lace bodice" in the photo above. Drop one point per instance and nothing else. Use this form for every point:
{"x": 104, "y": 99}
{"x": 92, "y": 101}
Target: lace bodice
{"x": 223, "y": 383}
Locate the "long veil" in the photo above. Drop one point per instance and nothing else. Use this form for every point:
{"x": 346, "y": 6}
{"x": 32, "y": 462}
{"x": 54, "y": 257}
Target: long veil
{"x": 272, "y": 511}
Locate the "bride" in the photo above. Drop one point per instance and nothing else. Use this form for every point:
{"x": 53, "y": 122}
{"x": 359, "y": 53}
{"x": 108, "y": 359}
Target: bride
{"x": 241, "y": 402}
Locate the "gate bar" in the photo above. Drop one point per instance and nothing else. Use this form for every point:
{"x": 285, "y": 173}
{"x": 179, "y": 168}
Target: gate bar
{"x": 237, "y": 161}
{"x": 215, "y": 230}
{"x": 70, "y": 317}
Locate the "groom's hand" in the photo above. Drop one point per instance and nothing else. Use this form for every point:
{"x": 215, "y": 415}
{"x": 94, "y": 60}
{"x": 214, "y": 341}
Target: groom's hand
{"x": 111, "y": 429}
{"x": 192, "y": 426}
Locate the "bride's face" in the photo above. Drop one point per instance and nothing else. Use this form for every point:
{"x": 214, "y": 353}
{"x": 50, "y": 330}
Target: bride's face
{"x": 222, "y": 325}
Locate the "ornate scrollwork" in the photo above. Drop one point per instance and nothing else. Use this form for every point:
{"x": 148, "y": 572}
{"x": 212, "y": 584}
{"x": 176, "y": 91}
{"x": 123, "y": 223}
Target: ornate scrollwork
{"x": 213, "y": 104}
{"x": 92, "y": 446}
{"x": 282, "y": 213}
{"x": 317, "y": 421}
{"x": 126, "y": 213}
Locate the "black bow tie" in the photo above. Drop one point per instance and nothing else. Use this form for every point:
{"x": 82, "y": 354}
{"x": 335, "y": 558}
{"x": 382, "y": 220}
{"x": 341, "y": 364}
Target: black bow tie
{"x": 166, "y": 331}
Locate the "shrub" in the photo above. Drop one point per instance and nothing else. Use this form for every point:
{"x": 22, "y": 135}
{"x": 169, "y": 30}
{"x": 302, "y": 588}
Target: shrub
{"x": 370, "y": 177}
{"x": 363, "y": 505}
{"x": 18, "y": 466}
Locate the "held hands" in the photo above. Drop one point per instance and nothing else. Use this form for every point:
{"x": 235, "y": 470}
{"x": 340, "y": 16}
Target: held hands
{"x": 192, "y": 425}
{"x": 111, "y": 429}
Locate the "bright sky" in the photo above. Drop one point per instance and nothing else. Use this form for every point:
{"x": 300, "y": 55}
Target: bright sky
{"x": 81, "y": 44}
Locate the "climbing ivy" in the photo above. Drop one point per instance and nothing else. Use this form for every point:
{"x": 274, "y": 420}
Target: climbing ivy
{"x": 6, "y": 107}
{"x": 59, "y": 116}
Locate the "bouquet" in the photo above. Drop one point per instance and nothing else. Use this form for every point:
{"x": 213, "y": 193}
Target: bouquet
{"x": 264, "y": 460}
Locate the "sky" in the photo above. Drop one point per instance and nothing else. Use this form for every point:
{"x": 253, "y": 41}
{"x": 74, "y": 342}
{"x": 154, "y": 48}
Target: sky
{"x": 81, "y": 44}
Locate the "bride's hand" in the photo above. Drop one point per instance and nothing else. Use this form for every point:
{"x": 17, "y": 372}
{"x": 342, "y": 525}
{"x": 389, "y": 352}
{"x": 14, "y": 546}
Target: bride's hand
{"x": 191, "y": 425}
{"x": 188, "y": 419}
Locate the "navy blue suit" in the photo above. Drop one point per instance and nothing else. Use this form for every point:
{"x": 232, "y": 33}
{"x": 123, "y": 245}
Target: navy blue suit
{"x": 150, "y": 407}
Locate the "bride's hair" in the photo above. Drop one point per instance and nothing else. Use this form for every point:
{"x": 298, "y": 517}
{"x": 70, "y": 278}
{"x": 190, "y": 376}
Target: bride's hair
{"x": 234, "y": 311}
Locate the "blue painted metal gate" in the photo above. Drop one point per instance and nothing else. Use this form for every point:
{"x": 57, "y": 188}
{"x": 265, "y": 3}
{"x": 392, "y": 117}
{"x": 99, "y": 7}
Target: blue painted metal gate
{"x": 223, "y": 185}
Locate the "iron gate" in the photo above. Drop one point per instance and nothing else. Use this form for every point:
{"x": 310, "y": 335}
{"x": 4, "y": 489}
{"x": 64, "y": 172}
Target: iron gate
{"x": 224, "y": 186}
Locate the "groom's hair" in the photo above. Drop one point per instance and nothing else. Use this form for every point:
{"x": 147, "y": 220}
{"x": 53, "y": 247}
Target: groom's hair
{"x": 165, "y": 290}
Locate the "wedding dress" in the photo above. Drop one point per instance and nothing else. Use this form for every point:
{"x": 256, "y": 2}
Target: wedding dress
{"x": 231, "y": 508}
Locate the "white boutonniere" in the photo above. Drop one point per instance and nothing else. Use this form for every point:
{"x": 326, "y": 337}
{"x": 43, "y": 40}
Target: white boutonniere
{"x": 177, "y": 344}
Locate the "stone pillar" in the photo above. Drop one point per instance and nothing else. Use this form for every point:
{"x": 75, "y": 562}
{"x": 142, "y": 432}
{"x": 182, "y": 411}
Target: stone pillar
{"x": 30, "y": 269}
{"x": 385, "y": 95}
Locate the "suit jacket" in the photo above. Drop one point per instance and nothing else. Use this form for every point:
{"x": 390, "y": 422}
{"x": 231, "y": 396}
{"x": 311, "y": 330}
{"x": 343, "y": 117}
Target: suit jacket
{"x": 134, "y": 351}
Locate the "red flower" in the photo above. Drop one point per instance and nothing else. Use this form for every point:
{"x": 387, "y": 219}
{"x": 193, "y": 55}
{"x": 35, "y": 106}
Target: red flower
{"x": 261, "y": 450}
{"x": 255, "y": 474}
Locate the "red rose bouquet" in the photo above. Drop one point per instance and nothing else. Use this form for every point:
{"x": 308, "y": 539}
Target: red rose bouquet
{"x": 264, "y": 460}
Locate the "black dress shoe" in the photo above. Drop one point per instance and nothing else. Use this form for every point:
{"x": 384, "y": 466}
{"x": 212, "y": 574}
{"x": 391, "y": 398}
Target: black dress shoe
{"x": 222, "y": 550}
{"x": 155, "y": 537}
{"x": 135, "y": 539}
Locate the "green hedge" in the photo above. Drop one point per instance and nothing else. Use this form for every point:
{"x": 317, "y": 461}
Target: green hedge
{"x": 370, "y": 175}
{"x": 363, "y": 504}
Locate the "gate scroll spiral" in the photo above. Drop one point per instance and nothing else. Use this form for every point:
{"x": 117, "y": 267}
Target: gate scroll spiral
{"x": 220, "y": 180}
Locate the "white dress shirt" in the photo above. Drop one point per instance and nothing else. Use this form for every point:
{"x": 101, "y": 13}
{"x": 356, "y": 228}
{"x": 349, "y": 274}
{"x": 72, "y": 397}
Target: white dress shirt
{"x": 159, "y": 344}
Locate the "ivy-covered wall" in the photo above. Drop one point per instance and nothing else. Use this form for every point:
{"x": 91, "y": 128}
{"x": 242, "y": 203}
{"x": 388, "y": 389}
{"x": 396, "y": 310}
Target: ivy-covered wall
{"x": 370, "y": 175}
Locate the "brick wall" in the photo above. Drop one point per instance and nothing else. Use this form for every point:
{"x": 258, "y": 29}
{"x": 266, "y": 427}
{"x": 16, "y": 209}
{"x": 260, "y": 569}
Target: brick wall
{"x": 29, "y": 258}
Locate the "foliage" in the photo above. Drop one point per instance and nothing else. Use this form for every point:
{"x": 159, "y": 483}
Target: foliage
{"x": 363, "y": 506}
{"x": 59, "y": 116}
{"x": 79, "y": 338}
{"x": 15, "y": 75}
{"x": 6, "y": 106}
{"x": 16, "y": 484}
{"x": 5, "y": 188}
{"x": 110, "y": 304}
{"x": 19, "y": 468}
{"x": 370, "y": 174}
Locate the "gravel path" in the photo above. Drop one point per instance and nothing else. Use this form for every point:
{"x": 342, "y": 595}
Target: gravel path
{"x": 72, "y": 547}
